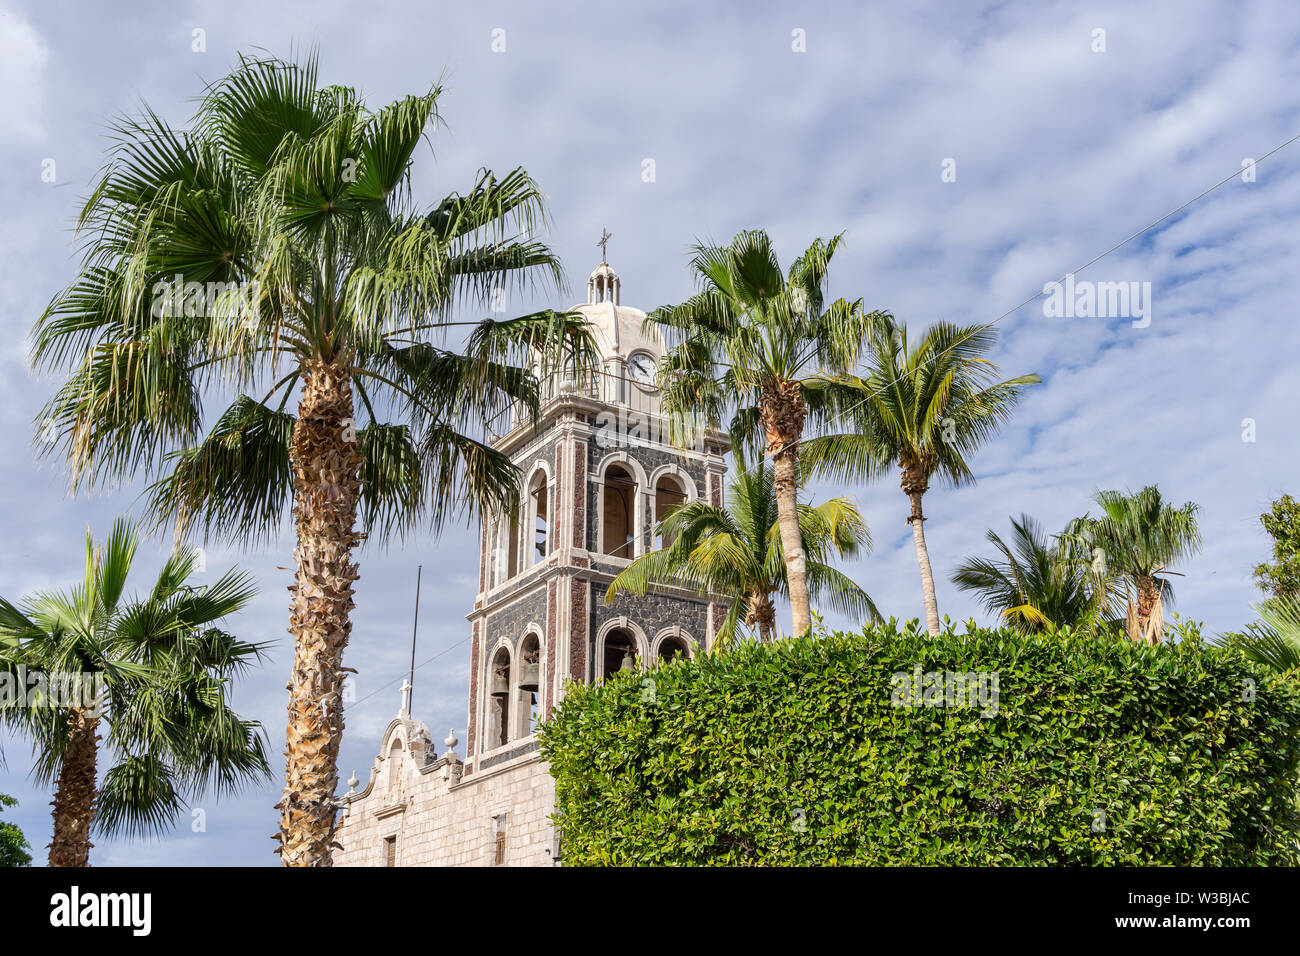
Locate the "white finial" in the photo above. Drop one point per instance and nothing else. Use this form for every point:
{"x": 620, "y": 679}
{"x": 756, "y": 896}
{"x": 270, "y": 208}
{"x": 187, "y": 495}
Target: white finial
{"x": 452, "y": 767}
{"x": 406, "y": 699}
{"x": 352, "y": 782}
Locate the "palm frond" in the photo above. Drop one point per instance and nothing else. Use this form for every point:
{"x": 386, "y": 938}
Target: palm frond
{"x": 237, "y": 482}
{"x": 1036, "y": 584}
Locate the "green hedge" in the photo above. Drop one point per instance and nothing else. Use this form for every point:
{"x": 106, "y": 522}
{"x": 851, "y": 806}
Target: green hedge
{"x": 1101, "y": 752}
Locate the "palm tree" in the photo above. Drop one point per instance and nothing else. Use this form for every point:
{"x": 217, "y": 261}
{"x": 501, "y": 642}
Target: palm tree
{"x": 923, "y": 408}
{"x": 155, "y": 671}
{"x": 751, "y": 341}
{"x": 275, "y": 250}
{"x": 1140, "y": 536}
{"x": 737, "y": 552}
{"x": 1037, "y": 585}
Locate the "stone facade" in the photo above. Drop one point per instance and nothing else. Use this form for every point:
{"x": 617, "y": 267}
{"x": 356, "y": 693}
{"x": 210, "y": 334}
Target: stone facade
{"x": 434, "y": 817}
{"x": 597, "y": 464}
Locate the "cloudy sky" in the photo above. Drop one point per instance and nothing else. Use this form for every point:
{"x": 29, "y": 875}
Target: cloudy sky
{"x": 805, "y": 122}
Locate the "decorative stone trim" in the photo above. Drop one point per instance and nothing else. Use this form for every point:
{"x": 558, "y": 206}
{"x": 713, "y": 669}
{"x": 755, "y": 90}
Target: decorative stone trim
{"x": 491, "y": 760}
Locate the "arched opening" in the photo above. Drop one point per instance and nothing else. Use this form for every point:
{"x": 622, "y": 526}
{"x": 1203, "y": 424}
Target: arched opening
{"x": 499, "y": 840}
{"x": 530, "y": 686}
{"x": 672, "y": 649}
{"x": 498, "y": 701}
{"x": 668, "y": 495}
{"x": 512, "y": 546}
{"x": 619, "y": 653}
{"x": 618, "y": 512}
{"x": 394, "y": 767}
{"x": 538, "y": 500}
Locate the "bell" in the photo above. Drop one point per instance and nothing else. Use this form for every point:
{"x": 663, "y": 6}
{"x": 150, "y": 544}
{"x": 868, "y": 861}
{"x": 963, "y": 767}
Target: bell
{"x": 629, "y": 661}
{"x": 529, "y": 679}
{"x": 500, "y": 684}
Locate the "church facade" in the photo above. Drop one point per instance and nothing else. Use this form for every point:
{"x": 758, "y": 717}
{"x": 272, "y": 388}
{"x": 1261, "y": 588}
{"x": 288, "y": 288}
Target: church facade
{"x": 598, "y": 471}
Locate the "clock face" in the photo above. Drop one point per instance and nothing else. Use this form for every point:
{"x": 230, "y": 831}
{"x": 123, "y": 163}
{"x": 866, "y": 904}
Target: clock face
{"x": 641, "y": 365}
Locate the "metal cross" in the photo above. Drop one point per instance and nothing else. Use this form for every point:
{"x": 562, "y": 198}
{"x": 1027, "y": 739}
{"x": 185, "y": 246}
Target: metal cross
{"x": 605, "y": 236}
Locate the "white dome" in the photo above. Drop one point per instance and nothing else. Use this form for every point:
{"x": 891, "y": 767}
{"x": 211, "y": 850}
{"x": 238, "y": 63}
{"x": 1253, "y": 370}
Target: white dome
{"x": 617, "y": 330}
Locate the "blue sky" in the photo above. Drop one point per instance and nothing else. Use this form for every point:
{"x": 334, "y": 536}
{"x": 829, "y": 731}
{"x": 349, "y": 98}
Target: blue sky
{"x": 1060, "y": 152}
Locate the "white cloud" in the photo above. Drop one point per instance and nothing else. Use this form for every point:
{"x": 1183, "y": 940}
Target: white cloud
{"x": 23, "y": 54}
{"x": 1061, "y": 153}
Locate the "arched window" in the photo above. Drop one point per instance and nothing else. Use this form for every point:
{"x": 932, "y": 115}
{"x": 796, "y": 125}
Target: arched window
{"x": 672, "y": 648}
{"x": 668, "y": 495}
{"x": 498, "y": 702}
{"x": 619, "y": 653}
{"x": 529, "y": 697}
{"x": 540, "y": 514}
{"x": 618, "y": 512}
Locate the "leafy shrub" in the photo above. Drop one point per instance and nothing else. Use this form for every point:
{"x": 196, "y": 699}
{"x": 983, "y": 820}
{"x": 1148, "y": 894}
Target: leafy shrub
{"x": 13, "y": 845}
{"x": 1102, "y": 752}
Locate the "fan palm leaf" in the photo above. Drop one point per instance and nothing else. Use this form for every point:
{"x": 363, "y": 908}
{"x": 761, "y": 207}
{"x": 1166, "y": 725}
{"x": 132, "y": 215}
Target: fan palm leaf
{"x": 922, "y": 408}
{"x": 753, "y": 343}
{"x": 1140, "y": 537}
{"x": 1274, "y": 639}
{"x": 161, "y": 694}
{"x": 736, "y": 553}
{"x": 1037, "y": 585}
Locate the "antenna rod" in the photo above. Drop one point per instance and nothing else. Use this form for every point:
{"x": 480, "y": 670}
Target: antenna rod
{"x": 419, "y": 570}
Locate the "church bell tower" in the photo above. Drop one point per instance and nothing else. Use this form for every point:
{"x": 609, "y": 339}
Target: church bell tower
{"x": 597, "y": 471}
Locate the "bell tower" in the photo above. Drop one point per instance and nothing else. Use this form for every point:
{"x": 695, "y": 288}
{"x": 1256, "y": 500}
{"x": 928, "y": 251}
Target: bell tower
{"x": 598, "y": 470}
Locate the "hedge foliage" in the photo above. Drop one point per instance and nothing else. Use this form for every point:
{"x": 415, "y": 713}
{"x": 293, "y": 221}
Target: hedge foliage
{"x": 807, "y": 752}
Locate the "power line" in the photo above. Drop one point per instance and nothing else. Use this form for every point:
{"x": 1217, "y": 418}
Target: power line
{"x": 445, "y": 651}
{"x": 1141, "y": 232}
{"x": 1016, "y": 308}
{"x": 1231, "y": 176}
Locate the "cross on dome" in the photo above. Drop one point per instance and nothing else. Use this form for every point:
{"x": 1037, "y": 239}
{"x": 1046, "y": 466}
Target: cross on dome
{"x": 603, "y": 284}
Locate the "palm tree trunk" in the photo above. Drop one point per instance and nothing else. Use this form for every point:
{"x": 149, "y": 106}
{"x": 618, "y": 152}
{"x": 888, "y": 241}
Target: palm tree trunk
{"x": 914, "y": 486}
{"x": 74, "y": 798}
{"x": 325, "y": 462}
{"x": 764, "y": 615}
{"x": 1148, "y": 602}
{"x": 783, "y": 414}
